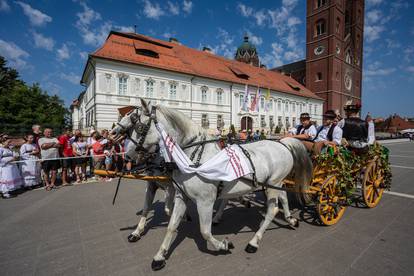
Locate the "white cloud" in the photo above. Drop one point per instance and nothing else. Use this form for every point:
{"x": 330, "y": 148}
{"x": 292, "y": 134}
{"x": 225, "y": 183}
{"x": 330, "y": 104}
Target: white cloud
{"x": 373, "y": 16}
{"x": 14, "y": 54}
{"x": 226, "y": 46}
{"x": 289, "y": 47}
{"x": 174, "y": 8}
{"x": 87, "y": 16}
{"x": 379, "y": 72}
{"x": 245, "y": 10}
{"x": 256, "y": 40}
{"x": 43, "y": 42}
{"x": 374, "y": 2}
{"x": 376, "y": 69}
{"x": 274, "y": 59}
{"x": 373, "y": 32}
{"x": 290, "y": 3}
{"x": 36, "y": 17}
{"x": 4, "y": 6}
{"x": 87, "y": 22}
{"x": 259, "y": 16}
{"x": 152, "y": 11}
{"x": 124, "y": 29}
{"x": 187, "y": 6}
{"x": 63, "y": 52}
{"x": 70, "y": 77}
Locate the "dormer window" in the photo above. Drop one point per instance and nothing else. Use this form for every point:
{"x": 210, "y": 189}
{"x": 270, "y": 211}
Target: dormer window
{"x": 239, "y": 73}
{"x": 147, "y": 52}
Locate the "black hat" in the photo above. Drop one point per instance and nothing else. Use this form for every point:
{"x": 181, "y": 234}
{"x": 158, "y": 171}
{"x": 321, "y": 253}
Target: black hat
{"x": 304, "y": 116}
{"x": 352, "y": 106}
{"x": 330, "y": 114}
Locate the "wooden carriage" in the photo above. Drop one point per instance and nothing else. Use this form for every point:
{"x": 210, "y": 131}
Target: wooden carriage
{"x": 342, "y": 177}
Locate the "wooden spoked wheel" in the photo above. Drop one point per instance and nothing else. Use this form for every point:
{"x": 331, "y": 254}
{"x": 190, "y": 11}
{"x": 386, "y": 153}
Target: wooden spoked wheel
{"x": 331, "y": 201}
{"x": 372, "y": 188}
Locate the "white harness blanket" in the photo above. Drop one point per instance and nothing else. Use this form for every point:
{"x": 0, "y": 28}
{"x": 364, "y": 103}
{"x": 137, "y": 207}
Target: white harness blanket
{"x": 227, "y": 165}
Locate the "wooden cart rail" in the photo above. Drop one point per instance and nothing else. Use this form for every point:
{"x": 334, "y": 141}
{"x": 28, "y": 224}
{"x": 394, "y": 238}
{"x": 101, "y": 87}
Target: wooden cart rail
{"x": 105, "y": 173}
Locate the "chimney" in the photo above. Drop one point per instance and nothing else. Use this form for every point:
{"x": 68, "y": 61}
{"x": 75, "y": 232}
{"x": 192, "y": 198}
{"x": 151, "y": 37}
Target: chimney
{"x": 207, "y": 49}
{"x": 174, "y": 40}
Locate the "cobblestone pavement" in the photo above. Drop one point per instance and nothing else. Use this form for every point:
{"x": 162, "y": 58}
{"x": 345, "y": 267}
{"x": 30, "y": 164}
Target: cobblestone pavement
{"x": 76, "y": 231}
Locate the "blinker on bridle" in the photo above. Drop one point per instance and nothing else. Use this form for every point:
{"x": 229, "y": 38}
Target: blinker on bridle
{"x": 141, "y": 128}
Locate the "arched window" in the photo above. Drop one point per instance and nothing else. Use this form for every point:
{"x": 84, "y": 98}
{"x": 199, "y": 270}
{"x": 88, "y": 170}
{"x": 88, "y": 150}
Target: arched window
{"x": 262, "y": 103}
{"x": 320, "y": 27}
{"x": 149, "y": 91}
{"x": 320, "y": 3}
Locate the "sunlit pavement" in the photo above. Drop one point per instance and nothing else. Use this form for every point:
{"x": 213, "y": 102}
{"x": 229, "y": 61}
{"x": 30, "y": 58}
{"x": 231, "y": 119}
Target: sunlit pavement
{"x": 76, "y": 231}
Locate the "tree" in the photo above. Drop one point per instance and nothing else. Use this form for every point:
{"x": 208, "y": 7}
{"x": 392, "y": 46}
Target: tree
{"x": 21, "y": 105}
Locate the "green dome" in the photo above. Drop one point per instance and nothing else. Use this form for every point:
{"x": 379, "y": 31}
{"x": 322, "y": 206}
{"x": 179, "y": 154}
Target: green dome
{"x": 246, "y": 47}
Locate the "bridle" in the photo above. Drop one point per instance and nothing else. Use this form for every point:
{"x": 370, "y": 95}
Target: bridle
{"x": 141, "y": 128}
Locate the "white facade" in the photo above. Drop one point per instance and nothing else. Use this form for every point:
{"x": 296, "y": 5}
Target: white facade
{"x": 111, "y": 85}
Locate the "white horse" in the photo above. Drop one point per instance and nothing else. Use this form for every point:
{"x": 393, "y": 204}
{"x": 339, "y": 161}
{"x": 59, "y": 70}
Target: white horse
{"x": 119, "y": 132}
{"x": 273, "y": 161}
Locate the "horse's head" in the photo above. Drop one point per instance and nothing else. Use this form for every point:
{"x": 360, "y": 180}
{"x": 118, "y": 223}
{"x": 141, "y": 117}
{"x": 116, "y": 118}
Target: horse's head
{"x": 143, "y": 137}
{"x": 126, "y": 125}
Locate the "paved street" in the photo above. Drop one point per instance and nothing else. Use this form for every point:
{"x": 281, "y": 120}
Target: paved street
{"x": 76, "y": 231}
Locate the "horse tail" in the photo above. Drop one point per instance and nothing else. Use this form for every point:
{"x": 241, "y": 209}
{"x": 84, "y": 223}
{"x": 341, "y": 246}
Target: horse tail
{"x": 302, "y": 164}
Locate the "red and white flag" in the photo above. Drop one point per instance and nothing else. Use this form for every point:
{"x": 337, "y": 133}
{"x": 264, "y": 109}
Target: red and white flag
{"x": 227, "y": 165}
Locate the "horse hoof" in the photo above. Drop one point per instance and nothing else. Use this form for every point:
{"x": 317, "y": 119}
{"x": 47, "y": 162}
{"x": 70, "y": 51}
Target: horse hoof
{"x": 230, "y": 245}
{"x": 296, "y": 224}
{"x": 133, "y": 238}
{"x": 157, "y": 265}
{"x": 250, "y": 249}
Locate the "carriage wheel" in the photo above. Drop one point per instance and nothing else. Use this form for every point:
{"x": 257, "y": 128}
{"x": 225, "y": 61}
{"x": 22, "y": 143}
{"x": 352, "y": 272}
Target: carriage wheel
{"x": 330, "y": 203}
{"x": 372, "y": 188}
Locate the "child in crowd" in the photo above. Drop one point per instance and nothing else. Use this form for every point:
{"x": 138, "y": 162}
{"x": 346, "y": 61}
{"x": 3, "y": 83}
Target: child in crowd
{"x": 80, "y": 150}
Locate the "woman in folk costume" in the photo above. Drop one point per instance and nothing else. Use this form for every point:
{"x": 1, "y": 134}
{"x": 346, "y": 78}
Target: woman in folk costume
{"x": 31, "y": 167}
{"x": 10, "y": 178}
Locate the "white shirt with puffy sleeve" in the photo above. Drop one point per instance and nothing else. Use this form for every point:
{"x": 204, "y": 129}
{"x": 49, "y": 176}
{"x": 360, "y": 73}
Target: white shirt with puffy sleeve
{"x": 336, "y": 134}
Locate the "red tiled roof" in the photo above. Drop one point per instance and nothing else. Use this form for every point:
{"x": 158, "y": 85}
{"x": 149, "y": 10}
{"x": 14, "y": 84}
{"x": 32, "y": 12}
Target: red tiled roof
{"x": 394, "y": 124}
{"x": 178, "y": 58}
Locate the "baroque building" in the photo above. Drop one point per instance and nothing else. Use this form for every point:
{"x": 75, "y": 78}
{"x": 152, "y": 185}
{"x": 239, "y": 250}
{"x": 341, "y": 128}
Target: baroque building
{"x": 212, "y": 90}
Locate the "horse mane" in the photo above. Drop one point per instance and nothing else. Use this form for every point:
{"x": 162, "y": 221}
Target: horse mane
{"x": 185, "y": 128}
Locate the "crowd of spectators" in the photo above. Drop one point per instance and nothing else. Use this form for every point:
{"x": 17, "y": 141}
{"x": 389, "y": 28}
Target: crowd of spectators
{"x": 44, "y": 157}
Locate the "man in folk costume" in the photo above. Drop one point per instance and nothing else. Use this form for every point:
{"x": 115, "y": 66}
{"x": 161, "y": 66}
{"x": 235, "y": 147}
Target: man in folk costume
{"x": 329, "y": 134}
{"x": 305, "y": 130}
{"x": 355, "y": 130}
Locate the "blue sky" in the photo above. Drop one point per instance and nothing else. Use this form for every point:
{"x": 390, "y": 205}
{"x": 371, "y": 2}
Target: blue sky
{"x": 48, "y": 41}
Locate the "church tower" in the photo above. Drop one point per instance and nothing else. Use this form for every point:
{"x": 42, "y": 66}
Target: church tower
{"x": 247, "y": 53}
{"x": 334, "y": 40}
